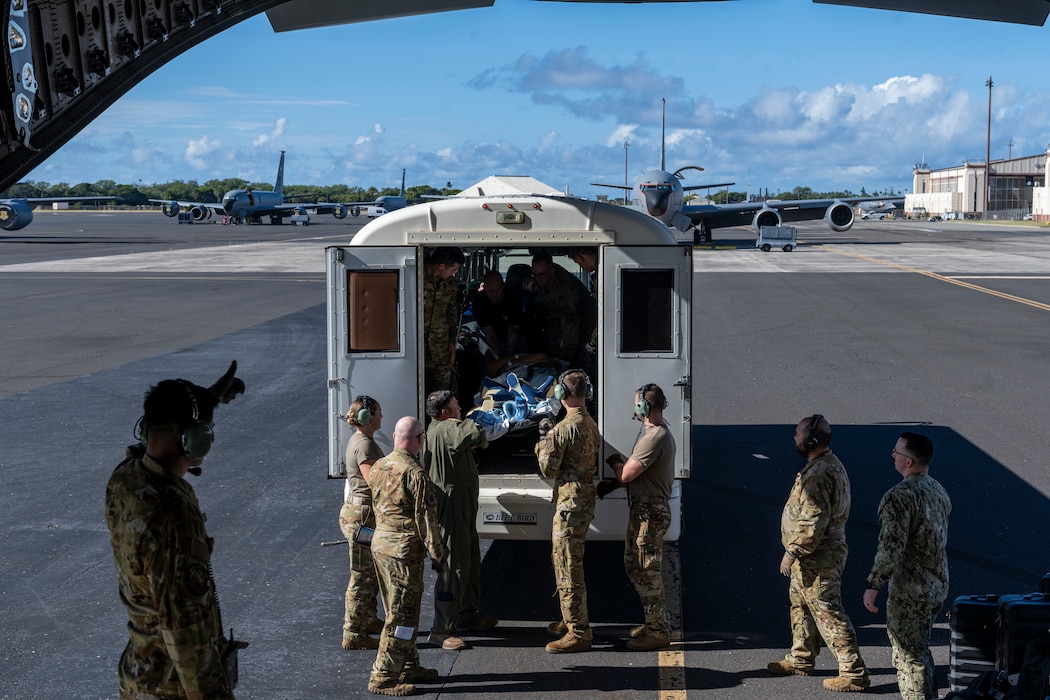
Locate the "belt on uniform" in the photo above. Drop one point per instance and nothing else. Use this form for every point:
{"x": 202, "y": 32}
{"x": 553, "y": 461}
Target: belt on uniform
{"x": 359, "y": 500}
{"x": 646, "y": 499}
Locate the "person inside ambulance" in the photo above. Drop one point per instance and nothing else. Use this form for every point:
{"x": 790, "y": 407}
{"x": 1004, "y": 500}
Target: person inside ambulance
{"x": 498, "y": 311}
{"x": 568, "y": 310}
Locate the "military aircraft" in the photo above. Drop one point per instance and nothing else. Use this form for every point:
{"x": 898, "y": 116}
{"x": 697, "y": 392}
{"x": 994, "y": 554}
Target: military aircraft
{"x": 382, "y": 204}
{"x": 663, "y": 195}
{"x": 17, "y": 212}
{"x": 241, "y": 206}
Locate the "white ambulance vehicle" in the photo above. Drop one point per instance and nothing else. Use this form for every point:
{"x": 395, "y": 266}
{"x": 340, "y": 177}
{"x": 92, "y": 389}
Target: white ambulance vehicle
{"x": 375, "y": 322}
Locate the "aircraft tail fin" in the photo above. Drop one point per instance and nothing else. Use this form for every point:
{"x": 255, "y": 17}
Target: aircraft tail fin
{"x": 278, "y": 186}
{"x": 663, "y": 123}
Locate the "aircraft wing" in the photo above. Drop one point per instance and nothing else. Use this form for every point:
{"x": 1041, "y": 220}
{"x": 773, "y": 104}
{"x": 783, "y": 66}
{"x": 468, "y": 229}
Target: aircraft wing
{"x": 837, "y": 212}
{"x": 708, "y": 186}
{"x": 617, "y": 187}
{"x": 47, "y": 200}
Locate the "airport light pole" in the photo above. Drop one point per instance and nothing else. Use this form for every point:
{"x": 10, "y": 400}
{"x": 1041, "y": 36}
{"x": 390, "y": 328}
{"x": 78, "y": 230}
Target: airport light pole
{"x": 626, "y": 192}
{"x": 988, "y": 152}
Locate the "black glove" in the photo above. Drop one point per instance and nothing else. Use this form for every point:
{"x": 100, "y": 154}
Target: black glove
{"x": 228, "y": 386}
{"x": 607, "y": 486}
{"x": 545, "y": 425}
{"x": 614, "y": 459}
{"x": 438, "y": 564}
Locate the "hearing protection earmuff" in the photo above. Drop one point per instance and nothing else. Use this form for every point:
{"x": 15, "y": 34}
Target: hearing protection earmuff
{"x": 643, "y": 407}
{"x": 368, "y": 408}
{"x": 196, "y": 440}
{"x": 812, "y": 441}
{"x": 561, "y": 392}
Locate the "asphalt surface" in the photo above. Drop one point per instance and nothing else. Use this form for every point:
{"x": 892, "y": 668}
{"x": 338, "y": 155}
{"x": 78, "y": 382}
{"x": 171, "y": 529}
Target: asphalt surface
{"x": 941, "y": 328}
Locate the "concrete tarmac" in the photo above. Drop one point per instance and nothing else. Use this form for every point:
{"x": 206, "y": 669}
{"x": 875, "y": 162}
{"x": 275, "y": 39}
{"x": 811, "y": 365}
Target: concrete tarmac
{"x": 892, "y": 326}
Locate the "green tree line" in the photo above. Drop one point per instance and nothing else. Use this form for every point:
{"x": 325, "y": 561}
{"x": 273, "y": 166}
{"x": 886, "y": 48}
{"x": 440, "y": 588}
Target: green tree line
{"x": 211, "y": 191}
{"x": 800, "y": 192}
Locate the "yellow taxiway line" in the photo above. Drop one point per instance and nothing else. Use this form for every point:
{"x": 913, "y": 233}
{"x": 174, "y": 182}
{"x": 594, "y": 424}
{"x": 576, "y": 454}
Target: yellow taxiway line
{"x": 672, "y": 660}
{"x": 942, "y": 278}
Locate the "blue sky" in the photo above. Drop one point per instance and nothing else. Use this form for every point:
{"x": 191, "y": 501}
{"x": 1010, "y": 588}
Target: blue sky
{"x": 767, "y": 93}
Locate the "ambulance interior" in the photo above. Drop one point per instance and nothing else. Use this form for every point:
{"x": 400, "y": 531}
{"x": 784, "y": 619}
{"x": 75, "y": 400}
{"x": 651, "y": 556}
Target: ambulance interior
{"x": 512, "y": 385}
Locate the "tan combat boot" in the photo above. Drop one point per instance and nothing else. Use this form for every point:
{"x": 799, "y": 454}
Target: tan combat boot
{"x": 392, "y": 688}
{"x": 786, "y": 668}
{"x": 572, "y": 642}
{"x": 840, "y": 684}
{"x": 649, "y": 641}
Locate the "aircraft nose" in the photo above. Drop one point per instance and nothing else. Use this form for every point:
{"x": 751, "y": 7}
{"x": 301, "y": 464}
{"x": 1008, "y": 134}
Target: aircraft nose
{"x": 227, "y": 204}
{"x": 656, "y": 201}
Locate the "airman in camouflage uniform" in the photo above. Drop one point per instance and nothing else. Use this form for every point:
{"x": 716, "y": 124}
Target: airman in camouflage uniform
{"x": 912, "y": 558}
{"x": 441, "y": 317}
{"x": 163, "y": 553}
{"x": 359, "y": 614}
{"x": 569, "y": 310}
{"x": 813, "y": 533}
{"x": 568, "y": 453}
{"x": 649, "y": 475}
{"x": 406, "y": 530}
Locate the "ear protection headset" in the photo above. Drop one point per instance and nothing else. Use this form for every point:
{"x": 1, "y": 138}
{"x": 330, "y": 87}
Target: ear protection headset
{"x": 644, "y": 407}
{"x": 561, "y": 392}
{"x": 812, "y": 441}
{"x": 368, "y": 408}
{"x": 196, "y": 440}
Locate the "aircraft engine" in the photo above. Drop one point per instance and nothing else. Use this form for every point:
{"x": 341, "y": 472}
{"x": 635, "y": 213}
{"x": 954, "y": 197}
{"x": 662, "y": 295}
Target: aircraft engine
{"x": 839, "y": 217}
{"x": 200, "y": 213}
{"x": 15, "y": 215}
{"x": 170, "y": 208}
{"x": 355, "y": 211}
{"x": 339, "y": 212}
{"x": 765, "y": 217}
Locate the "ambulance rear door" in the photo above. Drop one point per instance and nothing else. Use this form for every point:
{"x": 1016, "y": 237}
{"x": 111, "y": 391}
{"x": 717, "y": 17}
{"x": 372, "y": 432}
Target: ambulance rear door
{"x": 645, "y": 336}
{"x": 372, "y": 340}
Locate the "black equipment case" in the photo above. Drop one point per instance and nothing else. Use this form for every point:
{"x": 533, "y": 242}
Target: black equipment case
{"x": 1022, "y": 619}
{"x": 973, "y": 638}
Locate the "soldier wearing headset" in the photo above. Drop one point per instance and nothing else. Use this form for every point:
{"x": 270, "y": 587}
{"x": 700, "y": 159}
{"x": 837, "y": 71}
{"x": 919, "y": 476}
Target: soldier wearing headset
{"x": 648, "y": 475}
{"x": 813, "y": 533}
{"x": 162, "y": 552}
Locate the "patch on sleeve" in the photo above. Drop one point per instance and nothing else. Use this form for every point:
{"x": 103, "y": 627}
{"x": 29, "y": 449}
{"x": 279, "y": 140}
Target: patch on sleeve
{"x": 197, "y": 580}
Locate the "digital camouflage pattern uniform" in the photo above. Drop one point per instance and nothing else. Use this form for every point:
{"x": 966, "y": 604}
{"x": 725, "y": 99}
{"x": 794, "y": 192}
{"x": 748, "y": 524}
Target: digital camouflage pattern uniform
{"x": 406, "y": 531}
{"x": 440, "y": 330}
{"x": 162, "y": 554}
{"x": 649, "y": 519}
{"x": 363, "y": 587}
{"x": 570, "y": 316}
{"x": 451, "y": 461}
{"x": 813, "y": 530}
{"x": 569, "y": 455}
{"x": 912, "y": 558}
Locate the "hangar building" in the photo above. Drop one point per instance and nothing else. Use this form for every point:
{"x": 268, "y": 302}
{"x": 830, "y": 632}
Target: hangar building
{"x": 1018, "y": 189}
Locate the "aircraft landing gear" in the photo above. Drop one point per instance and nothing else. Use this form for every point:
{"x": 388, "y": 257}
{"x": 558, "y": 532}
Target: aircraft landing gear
{"x": 701, "y": 235}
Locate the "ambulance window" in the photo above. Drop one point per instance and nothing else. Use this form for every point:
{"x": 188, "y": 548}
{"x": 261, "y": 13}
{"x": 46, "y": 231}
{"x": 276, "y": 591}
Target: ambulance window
{"x": 372, "y": 310}
{"x": 646, "y": 310}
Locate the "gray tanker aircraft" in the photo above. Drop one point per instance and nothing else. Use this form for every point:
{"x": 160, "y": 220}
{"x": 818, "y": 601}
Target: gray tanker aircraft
{"x": 240, "y": 206}
{"x": 664, "y": 198}
{"x": 382, "y": 204}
